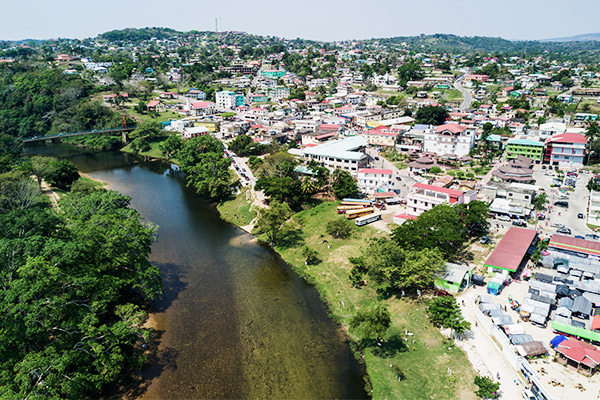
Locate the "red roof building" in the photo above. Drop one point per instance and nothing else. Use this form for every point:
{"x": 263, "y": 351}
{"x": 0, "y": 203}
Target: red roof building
{"x": 581, "y": 356}
{"x": 562, "y": 242}
{"x": 511, "y": 250}
{"x": 565, "y": 149}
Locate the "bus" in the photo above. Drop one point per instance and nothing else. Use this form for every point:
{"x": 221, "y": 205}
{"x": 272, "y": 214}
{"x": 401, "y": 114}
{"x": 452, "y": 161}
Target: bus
{"x": 343, "y": 209}
{"x": 357, "y": 202}
{"x": 367, "y": 219}
{"x": 351, "y": 214}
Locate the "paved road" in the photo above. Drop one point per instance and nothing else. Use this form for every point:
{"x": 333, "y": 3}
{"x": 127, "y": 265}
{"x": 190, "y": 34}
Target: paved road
{"x": 467, "y": 98}
{"x": 577, "y": 200}
{"x": 404, "y": 184}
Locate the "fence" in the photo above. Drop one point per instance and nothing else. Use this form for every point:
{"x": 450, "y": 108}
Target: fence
{"x": 520, "y": 364}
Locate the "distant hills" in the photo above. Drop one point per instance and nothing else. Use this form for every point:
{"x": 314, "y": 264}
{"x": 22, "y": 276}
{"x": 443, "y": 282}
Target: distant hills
{"x": 586, "y": 37}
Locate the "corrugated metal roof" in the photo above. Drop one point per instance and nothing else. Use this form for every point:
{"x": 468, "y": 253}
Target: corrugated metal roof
{"x": 511, "y": 249}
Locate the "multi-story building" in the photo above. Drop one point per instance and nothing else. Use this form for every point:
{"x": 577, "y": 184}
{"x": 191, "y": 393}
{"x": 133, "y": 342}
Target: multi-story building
{"x": 346, "y": 154}
{"x": 279, "y": 92}
{"x": 381, "y": 137}
{"x": 227, "y": 100}
{"x": 565, "y": 150}
{"x": 202, "y": 108}
{"x": 372, "y": 179}
{"x": 272, "y": 73}
{"x": 424, "y": 197}
{"x": 449, "y": 138}
{"x": 525, "y": 147}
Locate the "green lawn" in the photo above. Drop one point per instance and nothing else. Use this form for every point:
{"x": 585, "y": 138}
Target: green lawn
{"x": 238, "y": 210}
{"x": 154, "y": 151}
{"x": 425, "y": 362}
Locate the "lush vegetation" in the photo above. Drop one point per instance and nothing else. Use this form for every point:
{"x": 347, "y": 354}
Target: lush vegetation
{"x": 73, "y": 283}
{"x": 35, "y": 101}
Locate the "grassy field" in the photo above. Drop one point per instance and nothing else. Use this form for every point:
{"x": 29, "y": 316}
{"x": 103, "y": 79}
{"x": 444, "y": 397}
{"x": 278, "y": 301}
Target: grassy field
{"x": 425, "y": 361}
{"x": 238, "y": 210}
{"x": 154, "y": 151}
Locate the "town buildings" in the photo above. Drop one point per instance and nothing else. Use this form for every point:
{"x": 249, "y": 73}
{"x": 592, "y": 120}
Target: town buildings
{"x": 453, "y": 139}
{"x": 424, "y": 197}
{"x": 565, "y": 150}
{"x": 371, "y": 180}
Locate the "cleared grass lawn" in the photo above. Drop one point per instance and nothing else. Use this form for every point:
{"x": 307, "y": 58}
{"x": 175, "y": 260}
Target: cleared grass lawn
{"x": 451, "y": 94}
{"x": 425, "y": 363}
{"x": 94, "y": 183}
{"x": 238, "y": 210}
{"x": 154, "y": 151}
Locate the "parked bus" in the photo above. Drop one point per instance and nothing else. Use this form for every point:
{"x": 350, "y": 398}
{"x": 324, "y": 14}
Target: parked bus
{"x": 357, "y": 202}
{"x": 343, "y": 209}
{"x": 351, "y": 214}
{"x": 367, "y": 219}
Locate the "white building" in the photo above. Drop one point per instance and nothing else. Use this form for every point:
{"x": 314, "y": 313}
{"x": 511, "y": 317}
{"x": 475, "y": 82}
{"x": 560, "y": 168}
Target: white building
{"x": 346, "y": 154}
{"x": 279, "y": 93}
{"x": 565, "y": 150}
{"x": 202, "y": 108}
{"x": 226, "y": 100}
{"x": 552, "y": 128}
{"x": 425, "y": 197}
{"x": 371, "y": 179}
{"x": 449, "y": 138}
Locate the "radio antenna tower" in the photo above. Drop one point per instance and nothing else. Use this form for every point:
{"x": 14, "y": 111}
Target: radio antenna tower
{"x": 216, "y": 26}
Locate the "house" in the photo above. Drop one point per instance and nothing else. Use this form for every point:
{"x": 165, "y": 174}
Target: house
{"x": 424, "y": 197}
{"x": 202, "y": 108}
{"x": 454, "y": 278}
{"x": 370, "y": 180}
{"x": 421, "y": 165}
{"x": 580, "y": 356}
{"x": 258, "y": 98}
{"x": 477, "y": 77}
{"x": 167, "y": 95}
{"x": 63, "y": 58}
{"x": 152, "y": 105}
{"x": 196, "y": 94}
{"x": 194, "y": 131}
{"x": 565, "y": 150}
{"x": 565, "y": 97}
{"x": 532, "y": 149}
{"x": 450, "y": 138}
{"x": 272, "y": 73}
{"x": 346, "y": 154}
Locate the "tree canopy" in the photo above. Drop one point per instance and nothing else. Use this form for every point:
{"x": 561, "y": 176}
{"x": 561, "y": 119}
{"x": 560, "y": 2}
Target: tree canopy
{"x": 431, "y": 115}
{"x": 71, "y": 286}
{"x": 372, "y": 322}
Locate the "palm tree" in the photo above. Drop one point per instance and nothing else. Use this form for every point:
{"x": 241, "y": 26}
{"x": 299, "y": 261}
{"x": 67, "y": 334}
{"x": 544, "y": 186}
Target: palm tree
{"x": 308, "y": 186}
{"x": 592, "y": 133}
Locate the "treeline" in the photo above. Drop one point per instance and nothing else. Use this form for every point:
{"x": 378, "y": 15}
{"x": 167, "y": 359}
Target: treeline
{"x": 35, "y": 101}
{"x": 72, "y": 284}
{"x": 139, "y": 34}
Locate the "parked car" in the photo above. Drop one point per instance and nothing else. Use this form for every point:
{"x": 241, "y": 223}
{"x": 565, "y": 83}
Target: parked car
{"x": 564, "y": 230}
{"x": 519, "y": 222}
{"x": 555, "y": 225}
{"x": 580, "y": 216}
{"x": 543, "y": 167}
{"x": 592, "y": 236}
{"x": 484, "y": 239}
{"x": 503, "y": 217}
{"x": 564, "y": 204}
{"x": 579, "y": 237}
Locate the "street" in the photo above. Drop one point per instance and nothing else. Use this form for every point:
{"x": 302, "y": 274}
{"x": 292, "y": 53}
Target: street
{"x": 466, "y": 93}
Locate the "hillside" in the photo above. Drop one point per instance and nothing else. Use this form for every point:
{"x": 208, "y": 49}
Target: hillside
{"x": 586, "y": 37}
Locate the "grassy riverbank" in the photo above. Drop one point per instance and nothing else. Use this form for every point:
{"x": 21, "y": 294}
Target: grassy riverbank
{"x": 238, "y": 210}
{"x": 425, "y": 362}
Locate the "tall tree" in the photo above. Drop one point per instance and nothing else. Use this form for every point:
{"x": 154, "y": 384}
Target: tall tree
{"x": 271, "y": 220}
{"x": 344, "y": 185}
{"x": 444, "y": 312}
{"x": 431, "y": 115}
{"x": 372, "y": 322}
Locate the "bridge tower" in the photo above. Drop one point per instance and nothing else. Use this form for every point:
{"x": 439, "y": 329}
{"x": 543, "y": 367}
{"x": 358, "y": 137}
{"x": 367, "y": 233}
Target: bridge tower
{"x": 124, "y": 137}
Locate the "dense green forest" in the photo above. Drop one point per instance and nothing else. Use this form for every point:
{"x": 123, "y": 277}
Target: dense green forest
{"x": 36, "y": 100}
{"x": 474, "y": 44}
{"x": 73, "y": 281}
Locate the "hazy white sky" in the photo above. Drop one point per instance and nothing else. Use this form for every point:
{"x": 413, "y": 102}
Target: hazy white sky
{"x": 310, "y": 19}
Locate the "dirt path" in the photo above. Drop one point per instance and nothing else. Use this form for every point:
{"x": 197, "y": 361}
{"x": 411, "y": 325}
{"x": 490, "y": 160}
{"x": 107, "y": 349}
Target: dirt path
{"x": 47, "y": 191}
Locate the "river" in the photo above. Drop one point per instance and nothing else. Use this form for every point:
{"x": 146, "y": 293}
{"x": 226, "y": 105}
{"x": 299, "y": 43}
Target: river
{"x": 235, "y": 321}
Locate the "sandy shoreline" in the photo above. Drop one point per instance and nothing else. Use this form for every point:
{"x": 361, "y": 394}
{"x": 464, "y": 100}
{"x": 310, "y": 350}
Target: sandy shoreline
{"x": 105, "y": 184}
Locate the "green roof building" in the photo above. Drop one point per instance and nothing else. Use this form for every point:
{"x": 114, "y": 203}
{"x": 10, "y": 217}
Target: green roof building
{"x": 526, "y": 147}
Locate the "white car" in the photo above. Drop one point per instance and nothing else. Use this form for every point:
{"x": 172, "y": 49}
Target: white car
{"x": 504, "y": 218}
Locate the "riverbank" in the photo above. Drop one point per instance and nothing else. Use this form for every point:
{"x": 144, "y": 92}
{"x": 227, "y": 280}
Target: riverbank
{"x": 412, "y": 343}
{"x": 425, "y": 362}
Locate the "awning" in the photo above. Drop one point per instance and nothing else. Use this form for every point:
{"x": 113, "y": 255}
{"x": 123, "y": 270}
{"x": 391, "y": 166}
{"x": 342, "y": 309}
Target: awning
{"x": 596, "y": 322}
{"x": 532, "y": 349}
{"x": 558, "y": 339}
